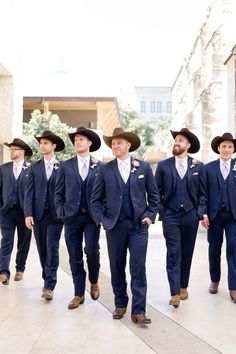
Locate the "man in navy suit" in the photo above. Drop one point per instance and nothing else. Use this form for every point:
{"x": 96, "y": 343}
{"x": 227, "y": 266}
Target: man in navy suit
{"x": 220, "y": 212}
{"x": 40, "y": 212}
{"x": 125, "y": 199}
{"x": 72, "y": 198}
{"x": 13, "y": 178}
{"x": 180, "y": 183}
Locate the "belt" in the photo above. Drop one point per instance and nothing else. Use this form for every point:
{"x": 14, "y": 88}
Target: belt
{"x": 83, "y": 211}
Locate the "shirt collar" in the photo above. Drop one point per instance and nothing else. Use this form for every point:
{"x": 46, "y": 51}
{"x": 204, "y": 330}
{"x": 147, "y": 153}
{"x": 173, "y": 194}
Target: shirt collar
{"x": 20, "y": 163}
{"x": 81, "y": 158}
{"x": 185, "y": 160}
{"x": 51, "y": 161}
{"x": 126, "y": 161}
{"x": 228, "y": 162}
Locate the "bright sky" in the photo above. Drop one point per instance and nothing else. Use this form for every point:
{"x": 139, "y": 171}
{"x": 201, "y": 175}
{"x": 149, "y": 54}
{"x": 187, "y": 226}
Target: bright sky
{"x": 100, "y": 47}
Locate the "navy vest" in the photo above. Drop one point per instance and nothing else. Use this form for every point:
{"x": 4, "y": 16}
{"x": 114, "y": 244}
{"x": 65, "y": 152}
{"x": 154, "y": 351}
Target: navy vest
{"x": 15, "y": 193}
{"x": 127, "y": 210}
{"x": 180, "y": 198}
{"x": 83, "y": 200}
{"x": 225, "y": 194}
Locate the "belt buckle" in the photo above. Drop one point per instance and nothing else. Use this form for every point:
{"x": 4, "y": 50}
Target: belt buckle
{"x": 83, "y": 210}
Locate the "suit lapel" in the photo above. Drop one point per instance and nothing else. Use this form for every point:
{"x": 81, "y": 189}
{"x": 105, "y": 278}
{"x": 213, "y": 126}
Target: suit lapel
{"x": 116, "y": 171}
{"x": 76, "y": 168}
{"x": 173, "y": 170}
{"x": 10, "y": 170}
{"x": 42, "y": 169}
{"x": 218, "y": 172}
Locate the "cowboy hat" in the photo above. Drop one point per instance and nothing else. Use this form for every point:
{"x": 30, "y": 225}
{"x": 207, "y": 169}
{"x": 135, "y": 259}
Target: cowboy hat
{"x": 218, "y": 140}
{"x": 132, "y": 138}
{"x": 90, "y": 134}
{"x": 193, "y": 140}
{"x": 47, "y": 134}
{"x": 21, "y": 144}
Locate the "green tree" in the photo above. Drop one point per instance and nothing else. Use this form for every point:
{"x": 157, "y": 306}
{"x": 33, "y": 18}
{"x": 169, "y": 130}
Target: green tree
{"x": 47, "y": 121}
{"x": 132, "y": 122}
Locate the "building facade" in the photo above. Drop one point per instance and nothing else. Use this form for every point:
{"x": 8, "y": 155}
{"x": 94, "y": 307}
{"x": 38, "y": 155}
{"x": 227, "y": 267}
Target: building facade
{"x": 203, "y": 94}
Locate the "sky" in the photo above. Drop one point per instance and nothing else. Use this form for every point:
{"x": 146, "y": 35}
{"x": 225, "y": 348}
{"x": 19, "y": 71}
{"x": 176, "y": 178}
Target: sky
{"x": 104, "y": 47}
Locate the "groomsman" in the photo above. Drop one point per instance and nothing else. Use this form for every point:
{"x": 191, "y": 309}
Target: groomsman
{"x": 72, "y": 199}
{"x": 220, "y": 212}
{"x": 180, "y": 183}
{"x": 13, "y": 178}
{"x": 40, "y": 212}
{"x": 125, "y": 199}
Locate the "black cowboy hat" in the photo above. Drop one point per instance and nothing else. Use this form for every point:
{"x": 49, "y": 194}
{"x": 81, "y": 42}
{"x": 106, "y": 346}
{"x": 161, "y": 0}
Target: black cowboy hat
{"x": 55, "y": 139}
{"x": 21, "y": 144}
{"x": 132, "y": 138}
{"x": 193, "y": 140}
{"x": 218, "y": 140}
{"x": 90, "y": 134}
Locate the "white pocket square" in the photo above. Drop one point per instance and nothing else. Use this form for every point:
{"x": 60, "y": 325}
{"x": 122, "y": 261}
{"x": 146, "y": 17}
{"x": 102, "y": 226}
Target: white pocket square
{"x": 195, "y": 173}
{"x": 140, "y": 176}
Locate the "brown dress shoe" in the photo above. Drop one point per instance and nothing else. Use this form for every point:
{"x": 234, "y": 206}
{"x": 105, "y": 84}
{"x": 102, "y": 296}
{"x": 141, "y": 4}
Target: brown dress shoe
{"x": 183, "y": 293}
{"x": 94, "y": 291}
{"x": 18, "y": 276}
{"x": 140, "y": 319}
{"x": 78, "y": 300}
{"x": 47, "y": 294}
{"x": 4, "y": 279}
{"x": 213, "y": 288}
{"x": 175, "y": 300}
{"x": 119, "y": 312}
{"x": 233, "y": 295}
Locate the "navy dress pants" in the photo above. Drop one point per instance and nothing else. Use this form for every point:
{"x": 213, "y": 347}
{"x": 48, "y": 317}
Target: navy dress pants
{"x": 223, "y": 221}
{"x": 125, "y": 236}
{"x": 14, "y": 220}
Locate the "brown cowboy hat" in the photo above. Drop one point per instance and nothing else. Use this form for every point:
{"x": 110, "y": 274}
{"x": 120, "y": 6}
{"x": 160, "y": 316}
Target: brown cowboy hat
{"x": 90, "y": 134}
{"x": 132, "y": 138}
{"x": 55, "y": 139}
{"x": 218, "y": 140}
{"x": 193, "y": 140}
{"x": 21, "y": 144}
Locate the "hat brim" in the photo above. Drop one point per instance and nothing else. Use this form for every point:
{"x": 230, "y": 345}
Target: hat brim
{"x": 132, "y": 138}
{"x": 23, "y": 146}
{"x": 193, "y": 140}
{"x": 54, "y": 139}
{"x": 218, "y": 140}
{"x": 91, "y": 135}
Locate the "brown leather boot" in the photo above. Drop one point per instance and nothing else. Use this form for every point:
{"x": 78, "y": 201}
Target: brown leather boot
{"x": 94, "y": 291}
{"x": 175, "y": 300}
{"x": 213, "y": 288}
{"x": 183, "y": 293}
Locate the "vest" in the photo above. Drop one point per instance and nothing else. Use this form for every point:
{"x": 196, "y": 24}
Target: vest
{"x": 225, "y": 194}
{"x": 180, "y": 198}
{"x": 15, "y": 201}
{"x": 83, "y": 200}
{"x": 127, "y": 210}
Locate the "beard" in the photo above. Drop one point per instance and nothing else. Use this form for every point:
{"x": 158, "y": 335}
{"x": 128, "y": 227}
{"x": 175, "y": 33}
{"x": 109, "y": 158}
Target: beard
{"x": 177, "y": 150}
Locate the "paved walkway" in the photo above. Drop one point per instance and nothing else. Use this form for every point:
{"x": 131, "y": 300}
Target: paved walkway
{"x": 203, "y": 324}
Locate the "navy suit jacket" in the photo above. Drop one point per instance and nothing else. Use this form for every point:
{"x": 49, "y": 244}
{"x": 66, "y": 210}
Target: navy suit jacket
{"x": 36, "y": 191}
{"x": 68, "y": 188}
{"x": 6, "y": 185}
{"x": 213, "y": 182}
{"x": 166, "y": 178}
{"x": 106, "y": 199}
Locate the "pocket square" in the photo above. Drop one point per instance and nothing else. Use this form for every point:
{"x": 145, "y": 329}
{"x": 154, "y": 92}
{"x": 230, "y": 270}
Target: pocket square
{"x": 195, "y": 173}
{"x": 140, "y": 176}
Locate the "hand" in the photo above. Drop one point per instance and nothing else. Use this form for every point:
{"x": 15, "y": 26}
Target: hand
{"x": 29, "y": 222}
{"x": 205, "y": 222}
{"x": 147, "y": 220}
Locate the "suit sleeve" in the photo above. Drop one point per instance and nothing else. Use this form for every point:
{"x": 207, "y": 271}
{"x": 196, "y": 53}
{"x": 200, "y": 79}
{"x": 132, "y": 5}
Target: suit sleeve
{"x": 159, "y": 176}
{"x": 153, "y": 196}
{"x": 202, "y": 204}
{"x": 59, "y": 196}
{"x": 29, "y": 194}
{"x": 98, "y": 197}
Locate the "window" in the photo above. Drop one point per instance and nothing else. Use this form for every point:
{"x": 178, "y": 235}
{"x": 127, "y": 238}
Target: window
{"x": 159, "y": 107}
{"x": 168, "y": 107}
{"x": 152, "y": 106}
{"x": 142, "y": 106}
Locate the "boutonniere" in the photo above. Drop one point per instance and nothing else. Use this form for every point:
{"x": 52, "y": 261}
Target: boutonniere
{"x": 135, "y": 164}
{"x": 26, "y": 165}
{"x": 194, "y": 163}
{"x": 56, "y": 164}
{"x": 95, "y": 162}
{"x": 234, "y": 166}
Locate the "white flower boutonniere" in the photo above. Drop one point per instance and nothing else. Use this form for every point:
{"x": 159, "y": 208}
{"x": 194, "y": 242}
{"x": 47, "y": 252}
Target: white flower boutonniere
{"x": 26, "y": 165}
{"x": 135, "y": 164}
{"x": 234, "y": 166}
{"x": 194, "y": 163}
{"x": 95, "y": 162}
{"x": 56, "y": 164}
